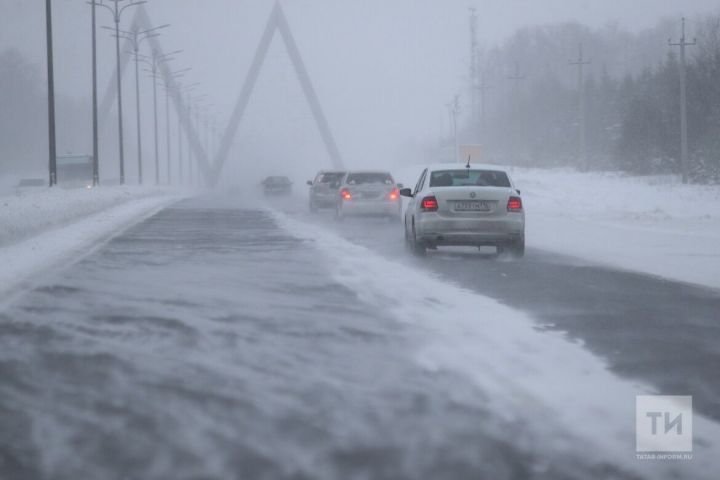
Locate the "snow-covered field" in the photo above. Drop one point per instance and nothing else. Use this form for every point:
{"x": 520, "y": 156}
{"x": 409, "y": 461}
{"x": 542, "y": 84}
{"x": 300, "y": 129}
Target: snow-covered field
{"x": 652, "y": 225}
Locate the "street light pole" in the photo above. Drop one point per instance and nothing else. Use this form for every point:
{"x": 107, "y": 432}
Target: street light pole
{"x": 96, "y": 149}
{"x": 157, "y": 157}
{"x": 169, "y": 77}
{"x": 52, "y": 164}
{"x": 136, "y": 37}
{"x": 117, "y": 13}
{"x": 136, "y": 48}
{"x": 119, "y": 93}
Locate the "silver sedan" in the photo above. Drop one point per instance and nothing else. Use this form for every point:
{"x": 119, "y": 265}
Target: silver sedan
{"x": 455, "y": 205}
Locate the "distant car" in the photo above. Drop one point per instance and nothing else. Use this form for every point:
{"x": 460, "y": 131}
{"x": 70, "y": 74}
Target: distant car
{"x": 324, "y": 189}
{"x": 277, "y": 185}
{"x": 464, "y": 206}
{"x": 369, "y": 193}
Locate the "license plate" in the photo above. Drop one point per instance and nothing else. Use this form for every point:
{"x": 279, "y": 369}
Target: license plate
{"x": 472, "y": 206}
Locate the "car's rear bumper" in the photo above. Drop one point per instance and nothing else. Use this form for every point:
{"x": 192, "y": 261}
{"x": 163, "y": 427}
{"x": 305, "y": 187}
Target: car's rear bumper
{"x": 435, "y": 230}
{"x": 325, "y": 201}
{"x": 359, "y": 207}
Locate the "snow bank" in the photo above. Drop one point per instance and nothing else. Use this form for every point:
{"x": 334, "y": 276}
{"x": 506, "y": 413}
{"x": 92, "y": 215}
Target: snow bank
{"x": 652, "y": 225}
{"x": 27, "y": 214}
{"x": 46, "y": 229}
{"x": 561, "y": 394}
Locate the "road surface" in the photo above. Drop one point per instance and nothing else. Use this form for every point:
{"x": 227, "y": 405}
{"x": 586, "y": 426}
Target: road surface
{"x": 207, "y": 342}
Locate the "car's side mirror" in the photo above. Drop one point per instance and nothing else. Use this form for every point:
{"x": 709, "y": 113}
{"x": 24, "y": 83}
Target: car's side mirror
{"x": 309, "y": 182}
{"x": 518, "y": 192}
{"x": 400, "y": 185}
{"x": 406, "y": 192}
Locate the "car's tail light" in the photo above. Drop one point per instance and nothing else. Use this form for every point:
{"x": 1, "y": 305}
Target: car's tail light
{"x": 429, "y": 204}
{"x": 394, "y": 194}
{"x": 345, "y": 194}
{"x": 514, "y": 204}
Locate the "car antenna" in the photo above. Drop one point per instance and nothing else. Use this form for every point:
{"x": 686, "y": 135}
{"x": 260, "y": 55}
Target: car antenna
{"x": 468, "y": 163}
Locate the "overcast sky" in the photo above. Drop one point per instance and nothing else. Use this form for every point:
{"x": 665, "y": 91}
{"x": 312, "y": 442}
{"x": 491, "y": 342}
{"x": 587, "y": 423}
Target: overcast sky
{"x": 383, "y": 69}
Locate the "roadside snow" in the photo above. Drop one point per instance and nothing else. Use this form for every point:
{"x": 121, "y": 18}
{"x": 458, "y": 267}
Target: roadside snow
{"x": 30, "y": 213}
{"x": 49, "y": 228}
{"x": 558, "y": 391}
{"x": 652, "y": 225}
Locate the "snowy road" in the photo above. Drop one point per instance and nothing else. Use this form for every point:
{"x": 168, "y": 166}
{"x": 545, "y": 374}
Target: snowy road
{"x": 651, "y": 329}
{"x": 209, "y": 342}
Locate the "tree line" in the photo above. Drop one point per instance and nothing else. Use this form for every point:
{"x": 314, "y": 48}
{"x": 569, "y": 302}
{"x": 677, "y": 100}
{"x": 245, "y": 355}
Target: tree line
{"x": 632, "y": 99}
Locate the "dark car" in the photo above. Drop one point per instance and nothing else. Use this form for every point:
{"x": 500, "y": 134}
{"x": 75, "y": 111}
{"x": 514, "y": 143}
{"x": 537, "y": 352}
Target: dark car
{"x": 325, "y": 189}
{"x": 277, "y": 185}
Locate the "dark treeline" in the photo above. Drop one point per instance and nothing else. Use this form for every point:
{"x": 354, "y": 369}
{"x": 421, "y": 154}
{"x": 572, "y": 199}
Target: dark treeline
{"x": 632, "y": 94}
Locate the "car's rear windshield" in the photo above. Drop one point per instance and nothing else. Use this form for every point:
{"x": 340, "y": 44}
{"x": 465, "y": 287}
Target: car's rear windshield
{"x": 365, "y": 178}
{"x": 465, "y": 178}
{"x": 331, "y": 177}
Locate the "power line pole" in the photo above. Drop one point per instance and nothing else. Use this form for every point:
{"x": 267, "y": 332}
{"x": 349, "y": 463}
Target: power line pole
{"x": 473, "y": 67}
{"x": 580, "y": 63}
{"x": 454, "y": 110}
{"x": 516, "y": 78}
{"x": 52, "y": 153}
{"x": 483, "y": 88}
{"x": 683, "y": 102}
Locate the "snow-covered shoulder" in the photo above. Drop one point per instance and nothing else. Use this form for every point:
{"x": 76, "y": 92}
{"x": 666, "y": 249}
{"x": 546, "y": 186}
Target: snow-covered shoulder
{"x": 44, "y": 229}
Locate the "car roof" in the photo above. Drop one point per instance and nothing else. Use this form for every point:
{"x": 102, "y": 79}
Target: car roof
{"x": 384, "y": 172}
{"x": 461, "y": 166}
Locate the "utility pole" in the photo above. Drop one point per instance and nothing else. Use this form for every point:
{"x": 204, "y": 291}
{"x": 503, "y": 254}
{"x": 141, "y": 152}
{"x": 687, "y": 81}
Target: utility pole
{"x": 454, "y": 110}
{"x": 483, "y": 87}
{"x": 580, "y": 63}
{"x": 516, "y": 78}
{"x": 683, "y": 102}
{"x": 473, "y": 67}
{"x": 52, "y": 153}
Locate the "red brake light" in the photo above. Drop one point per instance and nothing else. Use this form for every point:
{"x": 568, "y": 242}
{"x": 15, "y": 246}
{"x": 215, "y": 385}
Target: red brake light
{"x": 394, "y": 194}
{"x": 429, "y": 204}
{"x": 345, "y": 194}
{"x": 514, "y": 204}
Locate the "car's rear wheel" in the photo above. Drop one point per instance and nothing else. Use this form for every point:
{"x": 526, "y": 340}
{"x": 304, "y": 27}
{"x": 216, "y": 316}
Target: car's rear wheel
{"x": 517, "y": 248}
{"x": 417, "y": 247}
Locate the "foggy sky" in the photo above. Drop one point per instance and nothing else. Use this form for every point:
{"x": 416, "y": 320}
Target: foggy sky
{"x": 383, "y": 70}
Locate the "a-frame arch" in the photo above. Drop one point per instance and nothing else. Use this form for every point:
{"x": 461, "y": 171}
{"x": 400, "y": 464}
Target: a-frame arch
{"x": 276, "y": 23}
